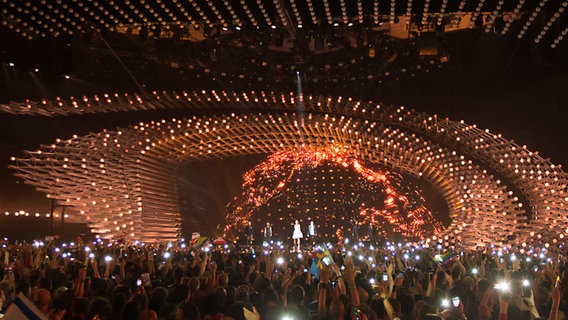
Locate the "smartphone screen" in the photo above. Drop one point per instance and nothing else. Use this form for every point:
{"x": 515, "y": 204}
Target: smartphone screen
{"x": 456, "y": 301}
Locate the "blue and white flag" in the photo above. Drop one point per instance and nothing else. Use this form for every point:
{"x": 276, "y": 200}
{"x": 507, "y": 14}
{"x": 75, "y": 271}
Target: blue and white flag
{"x": 23, "y": 309}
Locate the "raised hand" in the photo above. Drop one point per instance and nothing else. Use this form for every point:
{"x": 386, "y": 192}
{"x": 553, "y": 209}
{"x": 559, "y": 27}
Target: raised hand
{"x": 325, "y": 274}
{"x": 556, "y": 295}
{"x": 390, "y": 269}
{"x": 498, "y": 263}
{"x": 56, "y": 315}
{"x": 335, "y": 269}
{"x": 251, "y": 269}
{"x": 252, "y": 315}
{"x": 349, "y": 274}
{"x": 398, "y": 281}
{"x": 81, "y": 274}
{"x": 213, "y": 266}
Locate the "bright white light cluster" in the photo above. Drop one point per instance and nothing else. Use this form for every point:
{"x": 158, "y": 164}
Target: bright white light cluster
{"x": 124, "y": 179}
{"x": 23, "y": 213}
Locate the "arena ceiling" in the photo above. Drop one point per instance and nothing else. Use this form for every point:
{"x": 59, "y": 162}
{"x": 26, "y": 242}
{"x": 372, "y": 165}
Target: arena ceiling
{"x": 194, "y": 19}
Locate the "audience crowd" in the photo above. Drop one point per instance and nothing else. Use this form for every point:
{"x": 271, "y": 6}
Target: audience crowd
{"x": 101, "y": 280}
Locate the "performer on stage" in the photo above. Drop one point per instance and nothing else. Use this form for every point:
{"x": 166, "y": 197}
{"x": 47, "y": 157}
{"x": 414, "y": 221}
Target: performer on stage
{"x": 267, "y": 232}
{"x": 297, "y": 235}
{"x": 355, "y": 231}
{"x": 371, "y": 232}
{"x": 312, "y": 232}
{"x": 249, "y": 234}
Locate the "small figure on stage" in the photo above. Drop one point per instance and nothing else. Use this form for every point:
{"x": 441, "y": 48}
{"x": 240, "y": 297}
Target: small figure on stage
{"x": 297, "y": 235}
{"x": 355, "y": 231}
{"x": 312, "y": 232}
{"x": 249, "y": 233}
{"x": 371, "y": 232}
{"x": 267, "y": 232}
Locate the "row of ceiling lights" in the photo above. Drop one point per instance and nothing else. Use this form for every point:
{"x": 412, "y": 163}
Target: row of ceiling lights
{"x": 516, "y": 12}
{"x": 33, "y": 20}
{"x": 559, "y": 38}
{"x": 494, "y": 15}
{"x": 456, "y": 20}
{"x": 476, "y": 13}
{"x": 550, "y": 22}
{"x": 23, "y": 213}
{"x": 425, "y": 12}
{"x": 531, "y": 19}
{"x": 442, "y": 11}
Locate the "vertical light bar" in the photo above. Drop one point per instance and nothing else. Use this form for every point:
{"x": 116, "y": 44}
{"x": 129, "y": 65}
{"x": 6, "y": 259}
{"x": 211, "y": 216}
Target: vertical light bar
{"x": 408, "y": 13}
{"x": 360, "y": 16}
{"x": 376, "y": 17}
{"x": 392, "y": 14}
{"x": 344, "y": 17}
{"x": 327, "y": 12}
{"x": 425, "y": 12}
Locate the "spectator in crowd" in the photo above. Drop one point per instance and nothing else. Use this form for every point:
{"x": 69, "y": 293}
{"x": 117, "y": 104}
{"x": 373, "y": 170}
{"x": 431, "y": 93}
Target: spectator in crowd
{"x": 122, "y": 280}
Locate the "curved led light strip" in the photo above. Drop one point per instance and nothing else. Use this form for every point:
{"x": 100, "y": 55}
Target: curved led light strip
{"x": 124, "y": 180}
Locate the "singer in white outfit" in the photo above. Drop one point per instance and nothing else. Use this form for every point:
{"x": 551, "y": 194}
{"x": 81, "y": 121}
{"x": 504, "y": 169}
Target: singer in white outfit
{"x": 297, "y": 235}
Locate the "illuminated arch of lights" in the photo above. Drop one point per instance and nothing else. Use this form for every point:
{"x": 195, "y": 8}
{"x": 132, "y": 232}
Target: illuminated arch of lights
{"x": 124, "y": 179}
